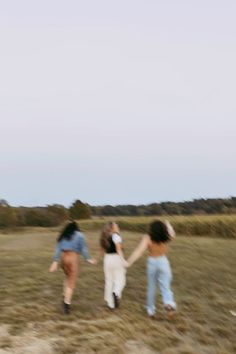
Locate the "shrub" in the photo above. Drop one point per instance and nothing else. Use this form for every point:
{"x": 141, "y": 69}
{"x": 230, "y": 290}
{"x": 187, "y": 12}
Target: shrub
{"x": 79, "y": 210}
{"x": 8, "y": 216}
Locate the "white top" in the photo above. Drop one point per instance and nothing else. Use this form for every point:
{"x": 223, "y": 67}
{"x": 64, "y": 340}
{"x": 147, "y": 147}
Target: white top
{"x": 116, "y": 238}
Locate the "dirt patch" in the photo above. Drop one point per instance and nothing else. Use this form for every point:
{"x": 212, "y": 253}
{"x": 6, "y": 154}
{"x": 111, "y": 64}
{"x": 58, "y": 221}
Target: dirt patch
{"x": 134, "y": 347}
{"x": 35, "y": 346}
{"x": 3, "y": 331}
{"x": 27, "y": 343}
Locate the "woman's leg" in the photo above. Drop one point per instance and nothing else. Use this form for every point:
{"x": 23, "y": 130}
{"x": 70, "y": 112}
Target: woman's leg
{"x": 64, "y": 287}
{"x": 151, "y": 286}
{"x": 108, "y": 273}
{"x": 119, "y": 277}
{"x": 164, "y": 279}
{"x": 68, "y": 295}
{"x": 70, "y": 267}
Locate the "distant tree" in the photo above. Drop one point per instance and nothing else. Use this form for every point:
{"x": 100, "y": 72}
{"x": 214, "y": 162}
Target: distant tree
{"x": 3, "y": 203}
{"x": 36, "y": 217}
{"x": 8, "y": 216}
{"x": 57, "y": 214}
{"x": 155, "y": 209}
{"x": 141, "y": 209}
{"x": 52, "y": 215}
{"x": 79, "y": 210}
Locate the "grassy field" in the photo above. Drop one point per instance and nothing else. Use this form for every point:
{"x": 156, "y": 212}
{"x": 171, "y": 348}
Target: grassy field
{"x": 31, "y": 321}
{"x": 223, "y": 226}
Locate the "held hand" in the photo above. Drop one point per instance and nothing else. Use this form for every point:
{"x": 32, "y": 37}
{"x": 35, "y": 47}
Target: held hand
{"x": 93, "y": 261}
{"x": 125, "y": 263}
{"x": 128, "y": 264}
{"x": 54, "y": 267}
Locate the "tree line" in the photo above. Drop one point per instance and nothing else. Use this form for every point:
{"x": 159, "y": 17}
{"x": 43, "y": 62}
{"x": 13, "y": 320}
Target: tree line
{"x": 49, "y": 216}
{"x": 194, "y": 207}
{"x": 54, "y": 215}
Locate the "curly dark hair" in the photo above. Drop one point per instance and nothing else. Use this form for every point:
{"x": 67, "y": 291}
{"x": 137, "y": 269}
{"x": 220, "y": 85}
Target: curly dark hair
{"x": 158, "y": 232}
{"x": 68, "y": 231}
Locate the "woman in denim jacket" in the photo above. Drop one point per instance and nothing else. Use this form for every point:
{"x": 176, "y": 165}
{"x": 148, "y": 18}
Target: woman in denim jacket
{"x": 71, "y": 243}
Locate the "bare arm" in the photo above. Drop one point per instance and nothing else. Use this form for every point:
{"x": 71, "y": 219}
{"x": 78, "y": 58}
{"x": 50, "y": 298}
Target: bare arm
{"x": 170, "y": 230}
{"x": 53, "y": 267}
{"x": 116, "y": 238}
{"x": 139, "y": 251}
{"x": 56, "y": 258}
{"x": 119, "y": 250}
{"x": 85, "y": 252}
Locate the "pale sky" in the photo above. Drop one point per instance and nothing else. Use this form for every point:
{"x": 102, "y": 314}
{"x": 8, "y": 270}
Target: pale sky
{"x": 115, "y": 102}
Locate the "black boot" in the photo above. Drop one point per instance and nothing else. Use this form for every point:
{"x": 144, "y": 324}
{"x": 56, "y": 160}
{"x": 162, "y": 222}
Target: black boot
{"x": 66, "y": 308}
{"x": 116, "y": 300}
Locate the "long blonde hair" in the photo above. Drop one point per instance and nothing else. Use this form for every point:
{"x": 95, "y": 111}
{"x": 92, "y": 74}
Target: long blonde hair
{"x": 106, "y": 235}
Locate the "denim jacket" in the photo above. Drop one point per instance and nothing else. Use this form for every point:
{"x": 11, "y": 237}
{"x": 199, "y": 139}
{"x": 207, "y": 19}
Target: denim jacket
{"x": 77, "y": 244}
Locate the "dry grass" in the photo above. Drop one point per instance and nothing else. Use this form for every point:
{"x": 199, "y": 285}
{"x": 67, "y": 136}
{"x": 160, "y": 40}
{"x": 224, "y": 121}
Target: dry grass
{"x": 221, "y": 225}
{"x": 31, "y": 320}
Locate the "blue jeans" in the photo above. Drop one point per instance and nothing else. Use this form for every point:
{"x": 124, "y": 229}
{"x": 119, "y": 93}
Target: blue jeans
{"x": 159, "y": 272}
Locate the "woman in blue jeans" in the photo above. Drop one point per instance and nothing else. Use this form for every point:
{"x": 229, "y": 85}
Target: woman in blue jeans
{"x": 158, "y": 266}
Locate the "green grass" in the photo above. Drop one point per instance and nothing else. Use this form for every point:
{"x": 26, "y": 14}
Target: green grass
{"x": 31, "y": 320}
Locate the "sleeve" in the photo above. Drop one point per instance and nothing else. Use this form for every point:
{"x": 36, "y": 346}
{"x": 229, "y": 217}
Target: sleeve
{"x": 116, "y": 238}
{"x": 57, "y": 253}
{"x": 83, "y": 248}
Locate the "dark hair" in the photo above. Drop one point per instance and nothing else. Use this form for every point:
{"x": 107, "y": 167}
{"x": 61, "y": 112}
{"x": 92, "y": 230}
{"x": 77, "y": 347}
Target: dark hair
{"x": 106, "y": 235}
{"x": 158, "y": 232}
{"x": 68, "y": 231}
